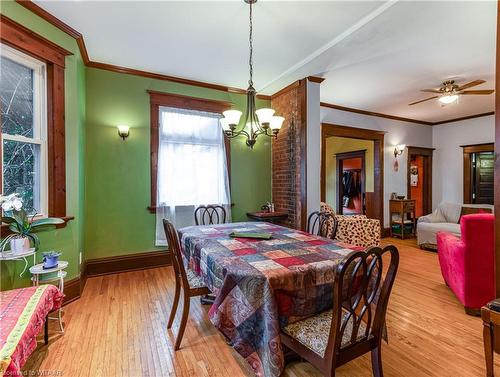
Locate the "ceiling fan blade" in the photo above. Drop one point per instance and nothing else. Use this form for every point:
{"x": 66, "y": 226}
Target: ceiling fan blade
{"x": 478, "y": 92}
{"x": 431, "y": 91}
{"x": 423, "y": 100}
{"x": 471, "y": 84}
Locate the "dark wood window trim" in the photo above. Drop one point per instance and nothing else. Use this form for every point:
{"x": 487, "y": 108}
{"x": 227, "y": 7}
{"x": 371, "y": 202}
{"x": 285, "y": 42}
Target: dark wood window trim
{"x": 468, "y": 150}
{"x": 158, "y": 99}
{"x": 23, "y": 39}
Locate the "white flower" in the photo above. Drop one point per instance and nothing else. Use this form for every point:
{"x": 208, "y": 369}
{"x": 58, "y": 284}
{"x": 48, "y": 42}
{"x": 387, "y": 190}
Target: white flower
{"x": 10, "y": 202}
{"x": 7, "y": 206}
{"x": 17, "y": 204}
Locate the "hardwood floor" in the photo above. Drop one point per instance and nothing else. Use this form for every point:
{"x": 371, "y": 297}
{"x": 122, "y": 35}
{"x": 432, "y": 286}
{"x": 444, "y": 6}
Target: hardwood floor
{"x": 118, "y": 328}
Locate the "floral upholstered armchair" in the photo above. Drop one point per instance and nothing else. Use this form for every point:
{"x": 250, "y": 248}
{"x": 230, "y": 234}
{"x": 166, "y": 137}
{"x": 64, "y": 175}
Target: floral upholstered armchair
{"x": 356, "y": 230}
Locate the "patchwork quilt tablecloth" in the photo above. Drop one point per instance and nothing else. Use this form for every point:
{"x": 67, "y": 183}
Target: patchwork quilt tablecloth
{"x": 262, "y": 284}
{"x": 22, "y": 315}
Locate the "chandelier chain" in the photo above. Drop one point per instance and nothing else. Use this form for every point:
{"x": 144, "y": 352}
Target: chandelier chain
{"x": 250, "y": 39}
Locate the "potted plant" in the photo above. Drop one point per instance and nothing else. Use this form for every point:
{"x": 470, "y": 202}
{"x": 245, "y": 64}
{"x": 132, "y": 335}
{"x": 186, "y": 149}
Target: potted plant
{"x": 23, "y": 228}
{"x": 50, "y": 259}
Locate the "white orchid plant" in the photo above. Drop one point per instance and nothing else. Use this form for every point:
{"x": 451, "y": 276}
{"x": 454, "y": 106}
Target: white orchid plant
{"x": 20, "y": 224}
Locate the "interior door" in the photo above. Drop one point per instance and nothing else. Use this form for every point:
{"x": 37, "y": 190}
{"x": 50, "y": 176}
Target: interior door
{"x": 483, "y": 165}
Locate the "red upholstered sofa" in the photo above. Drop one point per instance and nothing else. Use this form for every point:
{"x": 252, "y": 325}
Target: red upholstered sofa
{"x": 467, "y": 263}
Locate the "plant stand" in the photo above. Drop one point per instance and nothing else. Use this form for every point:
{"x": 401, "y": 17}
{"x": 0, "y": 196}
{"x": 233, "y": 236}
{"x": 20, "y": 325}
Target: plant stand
{"x": 56, "y": 274}
{"x": 19, "y": 256}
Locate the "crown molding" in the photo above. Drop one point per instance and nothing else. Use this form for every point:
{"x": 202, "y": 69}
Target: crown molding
{"x": 42, "y": 13}
{"x": 316, "y": 79}
{"x": 401, "y": 119}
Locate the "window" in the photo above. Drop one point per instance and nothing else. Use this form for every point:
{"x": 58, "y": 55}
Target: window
{"x": 24, "y": 129}
{"x": 191, "y": 159}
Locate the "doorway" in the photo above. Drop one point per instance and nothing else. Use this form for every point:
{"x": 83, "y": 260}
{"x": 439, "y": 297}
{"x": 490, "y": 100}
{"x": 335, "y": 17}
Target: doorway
{"x": 351, "y": 178}
{"x": 479, "y": 164}
{"x": 373, "y": 201}
{"x": 419, "y": 179}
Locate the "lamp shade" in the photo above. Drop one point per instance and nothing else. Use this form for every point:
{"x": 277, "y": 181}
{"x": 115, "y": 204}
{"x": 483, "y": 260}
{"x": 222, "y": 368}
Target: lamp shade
{"x": 232, "y": 116}
{"x": 276, "y": 122}
{"x": 224, "y": 123}
{"x": 265, "y": 115}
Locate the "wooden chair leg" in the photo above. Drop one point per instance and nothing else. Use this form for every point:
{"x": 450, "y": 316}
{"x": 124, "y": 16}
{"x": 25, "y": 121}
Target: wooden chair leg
{"x": 175, "y": 303}
{"x": 488, "y": 349}
{"x": 185, "y": 314}
{"x": 46, "y": 331}
{"x": 377, "y": 362}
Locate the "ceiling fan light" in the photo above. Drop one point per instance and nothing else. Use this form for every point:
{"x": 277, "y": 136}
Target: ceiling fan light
{"x": 447, "y": 99}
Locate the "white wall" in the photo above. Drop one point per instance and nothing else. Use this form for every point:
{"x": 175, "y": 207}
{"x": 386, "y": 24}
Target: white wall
{"x": 313, "y": 150}
{"x": 447, "y": 183}
{"x": 397, "y": 132}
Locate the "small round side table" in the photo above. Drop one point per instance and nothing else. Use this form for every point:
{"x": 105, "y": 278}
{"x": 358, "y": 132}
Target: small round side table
{"x": 54, "y": 274}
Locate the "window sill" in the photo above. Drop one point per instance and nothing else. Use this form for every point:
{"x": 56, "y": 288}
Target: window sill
{"x": 6, "y": 231}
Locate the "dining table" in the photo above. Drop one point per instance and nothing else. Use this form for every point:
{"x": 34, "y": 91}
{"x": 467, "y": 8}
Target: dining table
{"x": 261, "y": 285}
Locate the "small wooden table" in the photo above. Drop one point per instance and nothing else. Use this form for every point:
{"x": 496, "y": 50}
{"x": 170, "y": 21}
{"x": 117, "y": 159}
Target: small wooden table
{"x": 402, "y": 208}
{"x": 272, "y": 217}
{"x": 491, "y": 331}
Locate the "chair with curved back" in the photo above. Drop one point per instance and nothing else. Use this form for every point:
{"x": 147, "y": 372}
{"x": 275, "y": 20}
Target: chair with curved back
{"x": 191, "y": 284}
{"x": 209, "y": 215}
{"x": 355, "y": 324}
{"x": 321, "y": 224}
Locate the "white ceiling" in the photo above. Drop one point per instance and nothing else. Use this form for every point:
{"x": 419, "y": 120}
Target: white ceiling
{"x": 374, "y": 55}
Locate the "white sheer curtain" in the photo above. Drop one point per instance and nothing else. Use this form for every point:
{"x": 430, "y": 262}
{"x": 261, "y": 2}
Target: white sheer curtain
{"x": 192, "y": 167}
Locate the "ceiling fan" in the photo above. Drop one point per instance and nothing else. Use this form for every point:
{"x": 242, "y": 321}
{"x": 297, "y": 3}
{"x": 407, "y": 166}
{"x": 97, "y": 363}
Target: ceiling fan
{"x": 449, "y": 91}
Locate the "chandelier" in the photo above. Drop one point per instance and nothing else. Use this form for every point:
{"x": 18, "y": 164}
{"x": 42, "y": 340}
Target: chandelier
{"x": 257, "y": 122}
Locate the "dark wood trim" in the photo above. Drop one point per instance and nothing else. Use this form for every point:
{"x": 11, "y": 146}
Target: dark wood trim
{"x": 129, "y": 262}
{"x": 477, "y": 148}
{"x": 427, "y": 190}
{"x": 303, "y": 153}
{"x": 53, "y": 56}
{"x": 6, "y": 231}
{"x": 21, "y": 38}
{"x": 372, "y": 113}
{"x": 316, "y": 79}
{"x": 328, "y": 130}
{"x": 158, "y": 99}
{"x": 402, "y": 119}
{"x": 464, "y": 118}
{"x": 467, "y": 151}
{"x": 340, "y": 157}
{"x": 497, "y": 160}
{"x": 386, "y": 232}
{"x": 72, "y": 290}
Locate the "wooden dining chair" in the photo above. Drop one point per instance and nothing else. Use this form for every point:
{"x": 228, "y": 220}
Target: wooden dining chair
{"x": 191, "y": 284}
{"x": 322, "y": 224}
{"x": 209, "y": 215}
{"x": 355, "y": 324}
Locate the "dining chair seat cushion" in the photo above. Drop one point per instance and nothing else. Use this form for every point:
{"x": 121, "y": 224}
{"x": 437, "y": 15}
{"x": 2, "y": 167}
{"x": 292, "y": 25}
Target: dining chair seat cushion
{"x": 313, "y": 332}
{"x": 194, "y": 280}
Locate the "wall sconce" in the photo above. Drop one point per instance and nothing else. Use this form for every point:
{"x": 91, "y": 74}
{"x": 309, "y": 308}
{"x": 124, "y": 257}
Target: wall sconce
{"x": 123, "y": 131}
{"x": 398, "y": 150}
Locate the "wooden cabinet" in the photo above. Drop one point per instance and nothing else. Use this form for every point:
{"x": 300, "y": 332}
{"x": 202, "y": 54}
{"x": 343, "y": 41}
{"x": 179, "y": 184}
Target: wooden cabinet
{"x": 402, "y": 217}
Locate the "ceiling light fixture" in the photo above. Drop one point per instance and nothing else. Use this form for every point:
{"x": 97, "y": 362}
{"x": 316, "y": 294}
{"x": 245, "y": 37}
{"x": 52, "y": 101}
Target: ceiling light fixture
{"x": 257, "y": 122}
{"x": 448, "y": 98}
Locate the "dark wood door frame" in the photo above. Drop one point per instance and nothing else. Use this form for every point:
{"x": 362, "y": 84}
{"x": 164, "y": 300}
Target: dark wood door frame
{"x": 427, "y": 191}
{"x": 329, "y": 130}
{"x": 340, "y": 157}
{"x": 468, "y": 151}
{"x": 497, "y": 160}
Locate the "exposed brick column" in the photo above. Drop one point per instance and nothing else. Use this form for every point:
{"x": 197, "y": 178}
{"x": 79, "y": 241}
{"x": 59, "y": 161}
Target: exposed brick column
{"x": 288, "y": 154}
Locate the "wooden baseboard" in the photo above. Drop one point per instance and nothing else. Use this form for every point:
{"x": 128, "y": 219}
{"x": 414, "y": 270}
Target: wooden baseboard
{"x": 130, "y": 262}
{"x": 386, "y": 232}
{"x": 72, "y": 290}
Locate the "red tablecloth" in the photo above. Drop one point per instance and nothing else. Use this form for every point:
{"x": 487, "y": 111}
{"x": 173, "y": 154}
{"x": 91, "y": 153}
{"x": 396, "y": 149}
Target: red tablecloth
{"x": 22, "y": 315}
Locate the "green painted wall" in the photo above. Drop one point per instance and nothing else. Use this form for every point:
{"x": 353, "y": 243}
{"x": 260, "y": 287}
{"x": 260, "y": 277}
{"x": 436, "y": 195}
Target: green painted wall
{"x": 69, "y": 240}
{"x": 335, "y": 145}
{"x": 118, "y": 172}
